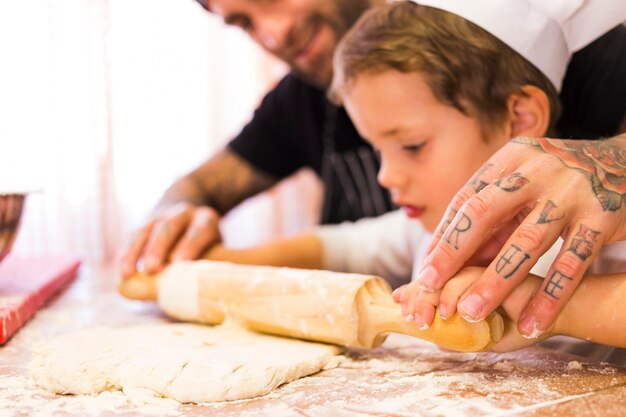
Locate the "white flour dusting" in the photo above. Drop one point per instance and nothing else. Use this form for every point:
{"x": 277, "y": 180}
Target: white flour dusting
{"x": 19, "y": 395}
{"x": 404, "y": 378}
{"x": 575, "y": 365}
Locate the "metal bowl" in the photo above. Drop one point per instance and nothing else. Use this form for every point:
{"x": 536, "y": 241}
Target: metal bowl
{"x": 11, "y": 207}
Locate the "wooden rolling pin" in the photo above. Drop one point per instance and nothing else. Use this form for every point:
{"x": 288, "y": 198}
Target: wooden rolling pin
{"x": 346, "y": 309}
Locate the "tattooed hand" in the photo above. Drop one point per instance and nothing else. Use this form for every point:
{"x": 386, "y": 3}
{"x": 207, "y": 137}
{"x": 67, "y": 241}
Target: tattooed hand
{"x": 183, "y": 231}
{"x": 446, "y": 299}
{"x": 517, "y": 205}
{"x": 185, "y": 225}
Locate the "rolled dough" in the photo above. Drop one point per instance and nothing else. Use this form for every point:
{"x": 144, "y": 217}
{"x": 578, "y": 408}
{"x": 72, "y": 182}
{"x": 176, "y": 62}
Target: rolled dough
{"x": 186, "y": 362}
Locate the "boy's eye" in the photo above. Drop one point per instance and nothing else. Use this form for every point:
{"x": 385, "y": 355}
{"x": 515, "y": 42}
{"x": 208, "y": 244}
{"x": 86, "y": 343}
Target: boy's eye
{"x": 413, "y": 148}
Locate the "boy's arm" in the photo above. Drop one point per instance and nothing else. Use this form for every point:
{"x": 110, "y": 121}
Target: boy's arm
{"x": 382, "y": 246}
{"x": 596, "y": 311}
{"x": 301, "y": 251}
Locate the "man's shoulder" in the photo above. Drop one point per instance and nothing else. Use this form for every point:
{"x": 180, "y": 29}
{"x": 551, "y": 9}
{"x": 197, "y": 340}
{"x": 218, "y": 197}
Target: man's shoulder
{"x": 293, "y": 86}
{"x": 292, "y": 100}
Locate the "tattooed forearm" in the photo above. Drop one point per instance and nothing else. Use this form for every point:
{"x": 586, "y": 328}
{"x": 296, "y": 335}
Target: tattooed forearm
{"x": 461, "y": 225}
{"x": 510, "y": 261}
{"x": 583, "y": 242}
{"x": 511, "y": 183}
{"x": 556, "y": 284}
{"x": 547, "y": 215}
{"x": 222, "y": 183}
{"x": 602, "y": 161}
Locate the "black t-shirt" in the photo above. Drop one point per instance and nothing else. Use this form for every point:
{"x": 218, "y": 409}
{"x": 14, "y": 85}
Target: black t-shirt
{"x": 593, "y": 94}
{"x": 296, "y": 127}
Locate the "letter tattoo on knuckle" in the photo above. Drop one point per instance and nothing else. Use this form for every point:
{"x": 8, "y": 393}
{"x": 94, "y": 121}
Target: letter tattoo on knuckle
{"x": 461, "y": 225}
{"x": 476, "y": 182}
{"x": 510, "y": 261}
{"x": 546, "y": 215}
{"x": 583, "y": 242}
{"x": 511, "y": 183}
{"x": 556, "y": 284}
{"x": 449, "y": 217}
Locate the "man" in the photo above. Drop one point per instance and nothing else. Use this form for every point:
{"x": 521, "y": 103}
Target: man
{"x": 295, "y": 126}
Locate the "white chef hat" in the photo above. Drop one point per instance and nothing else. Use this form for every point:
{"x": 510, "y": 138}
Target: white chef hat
{"x": 545, "y": 32}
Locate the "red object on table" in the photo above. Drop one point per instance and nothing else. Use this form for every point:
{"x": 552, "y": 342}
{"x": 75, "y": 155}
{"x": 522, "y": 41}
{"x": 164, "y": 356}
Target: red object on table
{"x": 26, "y": 284}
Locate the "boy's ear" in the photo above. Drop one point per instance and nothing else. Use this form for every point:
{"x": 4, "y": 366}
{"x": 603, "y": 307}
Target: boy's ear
{"x": 529, "y": 112}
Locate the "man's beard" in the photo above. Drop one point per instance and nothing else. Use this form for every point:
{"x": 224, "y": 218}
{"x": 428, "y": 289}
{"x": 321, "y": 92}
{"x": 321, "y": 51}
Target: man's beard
{"x": 346, "y": 13}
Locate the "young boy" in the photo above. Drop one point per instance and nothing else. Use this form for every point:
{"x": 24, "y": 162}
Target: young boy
{"x": 437, "y": 95}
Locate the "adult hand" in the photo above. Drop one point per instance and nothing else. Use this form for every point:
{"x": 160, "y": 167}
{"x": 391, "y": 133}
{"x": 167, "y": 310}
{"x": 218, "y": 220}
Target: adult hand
{"x": 182, "y": 231}
{"x": 445, "y": 300}
{"x": 523, "y": 198}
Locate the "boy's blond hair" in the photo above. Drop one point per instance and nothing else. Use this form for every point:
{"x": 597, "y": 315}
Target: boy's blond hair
{"x": 465, "y": 66}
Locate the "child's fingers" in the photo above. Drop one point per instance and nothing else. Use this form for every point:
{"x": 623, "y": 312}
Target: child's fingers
{"x": 397, "y": 293}
{"x": 399, "y": 296}
{"x": 419, "y": 304}
{"x": 423, "y": 311}
{"x": 452, "y": 291}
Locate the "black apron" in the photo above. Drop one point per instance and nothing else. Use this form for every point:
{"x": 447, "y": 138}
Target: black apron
{"x": 351, "y": 190}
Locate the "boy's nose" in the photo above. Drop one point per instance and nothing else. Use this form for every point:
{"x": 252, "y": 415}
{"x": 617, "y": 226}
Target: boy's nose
{"x": 390, "y": 176}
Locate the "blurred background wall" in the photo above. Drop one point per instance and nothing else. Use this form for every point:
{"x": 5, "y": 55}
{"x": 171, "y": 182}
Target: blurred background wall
{"x": 103, "y": 103}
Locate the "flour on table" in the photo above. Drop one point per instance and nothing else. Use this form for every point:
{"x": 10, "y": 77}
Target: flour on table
{"x": 185, "y": 362}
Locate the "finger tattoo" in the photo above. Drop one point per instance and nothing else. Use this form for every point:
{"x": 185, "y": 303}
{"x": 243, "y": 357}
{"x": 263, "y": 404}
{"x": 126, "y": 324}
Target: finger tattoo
{"x": 449, "y": 217}
{"x": 510, "y": 261}
{"x": 546, "y": 215}
{"x": 462, "y": 225}
{"x": 476, "y": 182}
{"x": 512, "y": 183}
{"x": 583, "y": 242}
{"x": 556, "y": 284}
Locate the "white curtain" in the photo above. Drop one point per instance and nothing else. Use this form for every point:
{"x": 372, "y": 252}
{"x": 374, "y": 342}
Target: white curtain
{"x": 103, "y": 103}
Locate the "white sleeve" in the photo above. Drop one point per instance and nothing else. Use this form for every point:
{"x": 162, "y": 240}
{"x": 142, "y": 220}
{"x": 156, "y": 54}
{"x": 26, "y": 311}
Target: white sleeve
{"x": 383, "y": 246}
{"x": 610, "y": 260}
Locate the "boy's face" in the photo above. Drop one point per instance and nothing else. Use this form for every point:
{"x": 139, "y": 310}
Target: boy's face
{"x": 303, "y": 33}
{"x": 429, "y": 150}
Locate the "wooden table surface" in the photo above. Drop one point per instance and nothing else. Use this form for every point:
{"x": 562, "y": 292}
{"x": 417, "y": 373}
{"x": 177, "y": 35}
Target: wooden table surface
{"x": 404, "y": 377}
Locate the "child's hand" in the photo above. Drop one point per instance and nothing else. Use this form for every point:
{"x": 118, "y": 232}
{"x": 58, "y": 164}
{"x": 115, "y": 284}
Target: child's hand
{"x": 419, "y": 305}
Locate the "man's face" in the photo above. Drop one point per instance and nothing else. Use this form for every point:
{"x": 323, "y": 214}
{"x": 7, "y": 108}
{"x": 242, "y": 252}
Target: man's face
{"x": 303, "y": 33}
